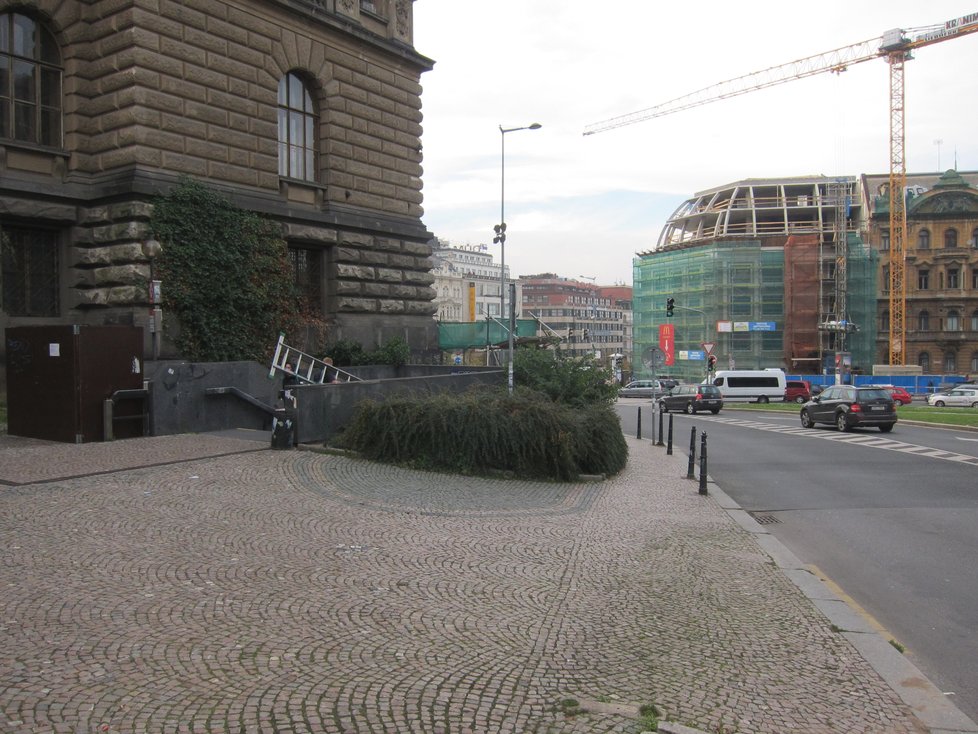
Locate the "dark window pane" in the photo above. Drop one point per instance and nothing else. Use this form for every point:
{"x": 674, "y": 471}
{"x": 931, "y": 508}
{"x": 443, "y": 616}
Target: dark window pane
{"x": 50, "y": 87}
{"x": 24, "y": 81}
{"x": 50, "y": 53}
{"x": 30, "y": 272}
{"x": 24, "y": 121}
{"x": 24, "y": 29}
{"x": 51, "y": 127}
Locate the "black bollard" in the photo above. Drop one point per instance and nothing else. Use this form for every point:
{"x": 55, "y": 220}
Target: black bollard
{"x": 669, "y": 445}
{"x": 692, "y": 453}
{"x": 703, "y": 463}
{"x": 660, "y": 425}
{"x": 638, "y": 432}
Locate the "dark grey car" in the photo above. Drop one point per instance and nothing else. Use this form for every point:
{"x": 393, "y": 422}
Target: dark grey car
{"x": 847, "y": 406}
{"x": 692, "y": 398}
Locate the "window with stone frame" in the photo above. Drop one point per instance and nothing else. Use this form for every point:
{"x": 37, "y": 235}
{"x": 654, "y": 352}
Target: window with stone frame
{"x": 923, "y": 321}
{"x": 953, "y": 322}
{"x": 974, "y": 238}
{"x": 974, "y": 321}
{"x": 30, "y": 268}
{"x": 923, "y": 280}
{"x": 30, "y": 81}
{"x": 923, "y": 239}
{"x": 953, "y": 278}
{"x": 885, "y": 321}
{"x": 950, "y": 238}
{"x": 307, "y": 268}
{"x": 885, "y": 240}
{"x": 923, "y": 359}
{"x": 974, "y": 362}
{"x": 950, "y": 362}
{"x": 297, "y": 125}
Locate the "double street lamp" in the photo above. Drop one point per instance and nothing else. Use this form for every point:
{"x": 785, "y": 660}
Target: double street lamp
{"x": 500, "y": 239}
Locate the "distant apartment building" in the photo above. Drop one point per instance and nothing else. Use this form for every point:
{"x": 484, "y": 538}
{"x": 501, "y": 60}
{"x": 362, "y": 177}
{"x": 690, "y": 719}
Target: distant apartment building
{"x": 305, "y": 111}
{"x": 467, "y": 282}
{"x": 941, "y": 270}
{"x": 592, "y": 319}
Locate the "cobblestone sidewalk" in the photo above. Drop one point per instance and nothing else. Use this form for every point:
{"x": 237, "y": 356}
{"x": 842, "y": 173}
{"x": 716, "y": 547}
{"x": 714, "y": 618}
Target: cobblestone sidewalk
{"x": 204, "y": 584}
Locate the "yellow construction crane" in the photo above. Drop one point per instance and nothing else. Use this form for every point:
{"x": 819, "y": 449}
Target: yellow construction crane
{"x": 895, "y": 47}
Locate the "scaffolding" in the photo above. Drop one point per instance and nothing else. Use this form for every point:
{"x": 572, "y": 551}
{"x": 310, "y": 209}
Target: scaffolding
{"x": 759, "y": 304}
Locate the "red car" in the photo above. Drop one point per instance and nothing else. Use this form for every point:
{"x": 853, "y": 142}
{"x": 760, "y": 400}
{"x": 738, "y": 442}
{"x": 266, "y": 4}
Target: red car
{"x": 898, "y": 394}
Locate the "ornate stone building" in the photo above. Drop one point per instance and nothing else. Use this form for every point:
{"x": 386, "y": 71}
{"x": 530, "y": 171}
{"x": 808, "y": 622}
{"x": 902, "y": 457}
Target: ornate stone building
{"x": 941, "y": 270}
{"x": 307, "y": 111}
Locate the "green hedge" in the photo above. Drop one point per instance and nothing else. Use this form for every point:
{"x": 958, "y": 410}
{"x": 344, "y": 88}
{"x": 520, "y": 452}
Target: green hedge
{"x": 487, "y": 430}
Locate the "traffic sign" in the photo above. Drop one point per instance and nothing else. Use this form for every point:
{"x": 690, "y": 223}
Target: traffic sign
{"x": 708, "y": 347}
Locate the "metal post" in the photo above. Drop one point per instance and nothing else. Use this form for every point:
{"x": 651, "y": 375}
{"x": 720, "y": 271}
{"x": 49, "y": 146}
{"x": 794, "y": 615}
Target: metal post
{"x": 692, "y": 453}
{"x": 638, "y": 433}
{"x": 660, "y": 426}
{"x": 669, "y": 444}
{"x": 703, "y": 463}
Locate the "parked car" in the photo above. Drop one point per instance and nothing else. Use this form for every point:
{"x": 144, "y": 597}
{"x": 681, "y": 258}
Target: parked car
{"x": 899, "y": 394}
{"x": 960, "y": 396}
{"x": 642, "y": 389}
{"x": 847, "y": 406}
{"x": 797, "y": 391}
{"x": 692, "y": 398}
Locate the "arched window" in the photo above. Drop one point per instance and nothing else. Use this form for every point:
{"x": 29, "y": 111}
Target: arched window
{"x": 950, "y": 363}
{"x": 953, "y": 321}
{"x": 974, "y": 238}
{"x": 974, "y": 321}
{"x": 296, "y": 129}
{"x": 950, "y": 238}
{"x": 923, "y": 359}
{"x": 923, "y": 239}
{"x": 974, "y": 362}
{"x": 885, "y": 240}
{"x": 923, "y": 321}
{"x": 30, "y": 81}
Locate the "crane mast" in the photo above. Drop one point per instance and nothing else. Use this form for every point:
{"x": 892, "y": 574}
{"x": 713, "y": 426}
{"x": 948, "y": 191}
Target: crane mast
{"x": 895, "y": 47}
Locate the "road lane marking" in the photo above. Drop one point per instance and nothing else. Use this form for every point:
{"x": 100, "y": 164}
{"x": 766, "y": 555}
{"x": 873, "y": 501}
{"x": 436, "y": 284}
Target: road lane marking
{"x": 876, "y": 442}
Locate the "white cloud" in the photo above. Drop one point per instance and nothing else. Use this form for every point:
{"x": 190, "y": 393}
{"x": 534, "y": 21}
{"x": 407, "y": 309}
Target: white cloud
{"x": 570, "y": 63}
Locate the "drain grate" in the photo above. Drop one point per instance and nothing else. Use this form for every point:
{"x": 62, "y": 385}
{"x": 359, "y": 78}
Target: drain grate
{"x": 764, "y": 518}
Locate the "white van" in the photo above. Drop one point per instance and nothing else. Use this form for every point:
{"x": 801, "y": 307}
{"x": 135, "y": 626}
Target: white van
{"x": 761, "y": 386}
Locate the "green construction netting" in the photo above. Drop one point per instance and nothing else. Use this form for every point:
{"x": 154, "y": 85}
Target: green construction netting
{"x": 476, "y": 334}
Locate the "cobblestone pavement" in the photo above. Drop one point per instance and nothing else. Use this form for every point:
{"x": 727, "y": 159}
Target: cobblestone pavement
{"x": 221, "y": 587}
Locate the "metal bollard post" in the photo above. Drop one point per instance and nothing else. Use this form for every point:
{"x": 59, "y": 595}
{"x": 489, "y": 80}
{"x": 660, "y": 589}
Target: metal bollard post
{"x": 638, "y": 432}
{"x": 703, "y": 463}
{"x": 660, "y": 425}
{"x": 692, "y": 453}
{"x": 669, "y": 445}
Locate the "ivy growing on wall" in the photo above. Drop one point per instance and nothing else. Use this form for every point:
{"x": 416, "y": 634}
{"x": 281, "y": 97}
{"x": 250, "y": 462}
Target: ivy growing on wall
{"x": 227, "y": 280}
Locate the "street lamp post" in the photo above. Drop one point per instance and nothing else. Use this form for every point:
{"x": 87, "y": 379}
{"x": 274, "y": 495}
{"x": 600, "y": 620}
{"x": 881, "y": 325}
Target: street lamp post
{"x": 500, "y": 238}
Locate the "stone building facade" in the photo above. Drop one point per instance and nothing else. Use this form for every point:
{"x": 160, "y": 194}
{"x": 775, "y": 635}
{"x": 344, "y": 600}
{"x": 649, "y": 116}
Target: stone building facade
{"x": 941, "y": 271}
{"x": 306, "y": 111}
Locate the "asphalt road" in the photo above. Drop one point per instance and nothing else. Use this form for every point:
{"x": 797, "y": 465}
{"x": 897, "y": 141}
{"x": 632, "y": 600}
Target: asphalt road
{"x": 889, "y": 518}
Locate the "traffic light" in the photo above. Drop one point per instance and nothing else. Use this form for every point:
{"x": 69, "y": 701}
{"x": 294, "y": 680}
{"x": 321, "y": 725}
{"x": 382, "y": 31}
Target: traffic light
{"x": 712, "y": 361}
{"x": 670, "y": 305}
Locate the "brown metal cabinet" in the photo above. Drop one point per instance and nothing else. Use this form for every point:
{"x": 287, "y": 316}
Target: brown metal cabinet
{"x": 59, "y": 377}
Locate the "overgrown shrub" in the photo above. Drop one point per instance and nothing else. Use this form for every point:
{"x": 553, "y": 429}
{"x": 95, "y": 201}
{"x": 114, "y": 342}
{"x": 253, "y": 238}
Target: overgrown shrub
{"x": 226, "y": 276}
{"x": 577, "y": 381}
{"x": 348, "y": 353}
{"x": 488, "y": 429}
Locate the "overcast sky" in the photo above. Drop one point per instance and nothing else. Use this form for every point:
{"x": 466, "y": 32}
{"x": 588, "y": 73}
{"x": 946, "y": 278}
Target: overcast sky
{"x": 584, "y": 205}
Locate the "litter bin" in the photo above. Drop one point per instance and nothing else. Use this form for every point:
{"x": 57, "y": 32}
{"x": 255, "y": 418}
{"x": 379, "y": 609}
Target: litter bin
{"x": 283, "y": 429}
{"x": 58, "y": 378}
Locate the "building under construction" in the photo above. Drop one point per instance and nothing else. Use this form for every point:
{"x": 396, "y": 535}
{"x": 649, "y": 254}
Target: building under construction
{"x": 763, "y": 273}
